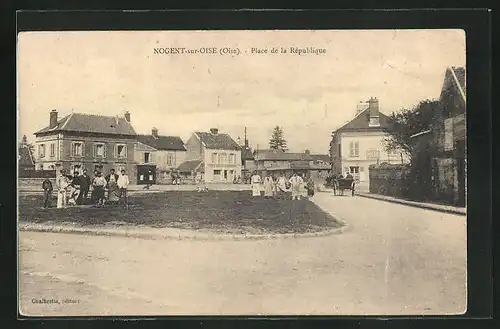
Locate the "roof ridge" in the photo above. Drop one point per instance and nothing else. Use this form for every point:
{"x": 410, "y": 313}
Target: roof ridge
{"x": 455, "y": 78}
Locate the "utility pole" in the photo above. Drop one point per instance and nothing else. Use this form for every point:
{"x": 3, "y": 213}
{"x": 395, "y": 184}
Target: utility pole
{"x": 246, "y": 140}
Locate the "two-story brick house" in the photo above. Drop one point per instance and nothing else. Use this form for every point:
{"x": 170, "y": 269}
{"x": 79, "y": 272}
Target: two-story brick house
{"x": 214, "y": 156}
{"x": 163, "y": 153}
{"x": 84, "y": 141}
{"x": 359, "y": 143}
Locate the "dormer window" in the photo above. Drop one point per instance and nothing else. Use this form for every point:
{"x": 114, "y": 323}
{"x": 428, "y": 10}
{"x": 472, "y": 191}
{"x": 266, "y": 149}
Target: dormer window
{"x": 374, "y": 122}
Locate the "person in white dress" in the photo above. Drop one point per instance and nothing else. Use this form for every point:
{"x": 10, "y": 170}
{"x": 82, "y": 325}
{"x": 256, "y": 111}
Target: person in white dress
{"x": 255, "y": 181}
{"x": 268, "y": 186}
{"x": 62, "y": 184}
{"x": 281, "y": 187}
{"x": 296, "y": 186}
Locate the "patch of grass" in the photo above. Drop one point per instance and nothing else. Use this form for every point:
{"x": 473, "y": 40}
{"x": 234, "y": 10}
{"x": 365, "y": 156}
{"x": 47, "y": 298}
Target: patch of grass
{"x": 221, "y": 211}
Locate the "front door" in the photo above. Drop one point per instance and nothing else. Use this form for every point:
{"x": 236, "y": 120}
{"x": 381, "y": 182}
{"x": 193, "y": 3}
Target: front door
{"x": 146, "y": 174}
{"x": 354, "y": 170}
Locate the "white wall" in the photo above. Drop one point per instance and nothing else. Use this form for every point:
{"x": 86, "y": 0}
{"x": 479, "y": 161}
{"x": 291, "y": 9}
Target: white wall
{"x": 367, "y": 142}
{"x": 210, "y": 166}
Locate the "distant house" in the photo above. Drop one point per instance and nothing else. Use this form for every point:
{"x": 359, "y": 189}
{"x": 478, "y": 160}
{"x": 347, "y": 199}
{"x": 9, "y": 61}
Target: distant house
{"x": 162, "y": 154}
{"x": 26, "y": 162}
{"x": 359, "y": 143}
{"x": 84, "y": 141}
{"x": 278, "y": 162}
{"x": 213, "y": 156}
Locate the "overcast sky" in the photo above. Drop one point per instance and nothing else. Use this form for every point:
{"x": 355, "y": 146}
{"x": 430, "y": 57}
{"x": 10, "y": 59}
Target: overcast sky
{"x": 309, "y": 95}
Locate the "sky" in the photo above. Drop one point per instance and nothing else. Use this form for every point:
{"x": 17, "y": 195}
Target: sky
{"x": 309, "y": 95}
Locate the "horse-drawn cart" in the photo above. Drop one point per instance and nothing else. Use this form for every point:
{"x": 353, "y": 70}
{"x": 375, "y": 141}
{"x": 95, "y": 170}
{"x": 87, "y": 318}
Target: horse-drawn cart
{"x": 340, "y": 184}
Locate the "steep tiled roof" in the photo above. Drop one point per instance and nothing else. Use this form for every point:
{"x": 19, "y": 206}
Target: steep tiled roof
{"x": 246, "y": 153}
{"x": 79, "y": 122}
{"x": 361, "y": 122}
{"x": 167, "y": 143}
{"x": 190, "y": 165}
{"x": 25, "y": 157}
{"x": 271, "y": 155}
{"x": 321, "y": 157}
{"x": 460, "y": 74}
{"x": 218, "y": 141}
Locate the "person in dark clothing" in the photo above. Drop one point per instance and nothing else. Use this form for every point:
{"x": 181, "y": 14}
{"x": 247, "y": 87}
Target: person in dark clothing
{"x": 47, "y": 193}
{"x": 112, "y": 172}
{"x": 85, "y": 183}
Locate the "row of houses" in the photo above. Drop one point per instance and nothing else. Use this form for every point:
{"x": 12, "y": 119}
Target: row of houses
{"x": 93, "y": 142}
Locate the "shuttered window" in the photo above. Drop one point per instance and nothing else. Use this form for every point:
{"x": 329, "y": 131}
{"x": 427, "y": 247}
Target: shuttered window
{"x": 99, "y": 150}
{"x": 354, "y": 149}
{"x": 77, "y": 149}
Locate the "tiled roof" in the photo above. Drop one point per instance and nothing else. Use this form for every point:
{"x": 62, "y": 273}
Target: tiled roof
{"x": 90, "y": 123}
{"x": 460, "y": 74}
{"x": 321, "y": 157}
{"x": 25, "y": 156}
{"x": 218, "y": 141}
{"x": 168, "y": 143}
{"x": 271, "y": 155}
{"x": 246, "y": 153}
{"x": 190, "y": 165}
{"x": 361, "y": 122}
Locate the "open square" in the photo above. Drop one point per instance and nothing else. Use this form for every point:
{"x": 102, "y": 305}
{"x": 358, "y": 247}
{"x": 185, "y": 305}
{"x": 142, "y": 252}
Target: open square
{"x": 220, "y": 211}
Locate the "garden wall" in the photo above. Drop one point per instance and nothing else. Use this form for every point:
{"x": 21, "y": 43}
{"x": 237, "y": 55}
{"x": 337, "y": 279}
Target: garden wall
{"x": 388, "y": 179}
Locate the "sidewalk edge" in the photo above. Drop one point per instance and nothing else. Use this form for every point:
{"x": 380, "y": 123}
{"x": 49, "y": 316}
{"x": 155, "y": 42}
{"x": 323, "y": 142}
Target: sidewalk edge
{"x": 411, "y": 204}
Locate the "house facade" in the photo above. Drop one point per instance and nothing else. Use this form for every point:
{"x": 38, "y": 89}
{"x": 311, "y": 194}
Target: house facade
{"x": 82, "y": 141}
{"x": 451, "y": 141}
{"x": 214, "y": 156}
{"x": 163, "y": 154}
{"x": 360, "y": 143}
{"x": 278, "y": 162}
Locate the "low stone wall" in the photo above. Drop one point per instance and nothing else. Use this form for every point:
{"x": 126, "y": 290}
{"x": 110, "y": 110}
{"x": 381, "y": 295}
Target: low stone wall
{"x": 387, "y": 179}
{"x": 33, "y": 183}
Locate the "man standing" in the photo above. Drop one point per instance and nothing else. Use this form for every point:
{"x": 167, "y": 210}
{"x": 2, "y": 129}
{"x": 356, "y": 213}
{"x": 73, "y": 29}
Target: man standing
{"x": 84, "y": 187}
{"x": 123, "y": 182}
{"x": 296, "y": 184}
{"x": 99, "y": 184}
{"x": 47, "y": 192}
{"x": 255, "y": 180}
{"x": 77, "y": 185}
{"x": 62, "y": 185}
{"x": 112, "y": 173}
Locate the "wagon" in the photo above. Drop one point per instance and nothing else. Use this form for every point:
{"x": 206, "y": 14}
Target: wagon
{"x": 344, "y": 184}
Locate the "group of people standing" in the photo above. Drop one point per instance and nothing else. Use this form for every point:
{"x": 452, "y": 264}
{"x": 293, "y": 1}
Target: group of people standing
{"x": 280, "y": 187}
{"x": 74, "y": 189}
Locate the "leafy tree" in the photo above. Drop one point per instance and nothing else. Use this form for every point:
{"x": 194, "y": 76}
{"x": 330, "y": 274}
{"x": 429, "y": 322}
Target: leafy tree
{"x": 408, "y": 122}
{"x": 277, "y": 141}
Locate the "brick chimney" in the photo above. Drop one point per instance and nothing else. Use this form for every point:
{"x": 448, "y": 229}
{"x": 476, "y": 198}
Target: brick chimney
{"x": 53, "y": 119}
{"x": 214, "y": 131}
{"x": 154, "y": 132}
{"x": 127, "y": 116}
{"x": 374, "y": 112}
{"x": 307, "y": 152}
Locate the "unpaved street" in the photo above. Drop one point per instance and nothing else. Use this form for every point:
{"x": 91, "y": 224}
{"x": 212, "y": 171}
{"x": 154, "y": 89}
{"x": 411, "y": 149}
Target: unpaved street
{"x": 393, "y": 259}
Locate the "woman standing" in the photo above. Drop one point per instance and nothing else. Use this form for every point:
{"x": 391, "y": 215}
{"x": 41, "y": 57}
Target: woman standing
{"x": 268, "y": 186}
{"x": 255, "y": 181}
{"x": 113, "y": 190}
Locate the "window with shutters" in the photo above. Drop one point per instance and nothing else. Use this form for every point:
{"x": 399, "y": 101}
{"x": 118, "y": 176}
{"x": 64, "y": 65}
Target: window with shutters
{"x": 354, "y": 149}
{"x": 120, "y": 151}
{"x": 41, "y": 150}
{"x": 170, "y": 159}
{"x": 214, "y": 157}
{"x": 77, "y": 149}
{"x": 52, "y": 149}
{"x": 147, "y": 157}
{"x": 99, "y": 150}
{"x": 232, "y": 158}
